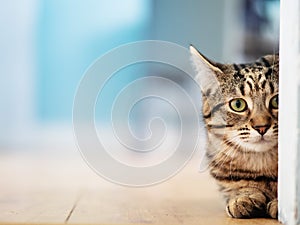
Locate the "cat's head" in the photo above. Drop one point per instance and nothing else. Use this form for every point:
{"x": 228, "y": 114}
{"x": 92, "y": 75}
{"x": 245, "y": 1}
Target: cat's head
{"x": 240, "y": 101}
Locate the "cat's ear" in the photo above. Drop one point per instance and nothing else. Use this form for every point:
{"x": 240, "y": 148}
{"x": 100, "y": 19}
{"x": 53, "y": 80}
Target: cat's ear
{"x": 207, "y": 71}
{"x": 200, "y": 60}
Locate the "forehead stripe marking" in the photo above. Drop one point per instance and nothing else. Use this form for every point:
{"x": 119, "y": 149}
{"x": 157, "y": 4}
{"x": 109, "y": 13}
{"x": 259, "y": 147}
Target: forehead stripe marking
{"x": 259, "y": 77}
{"x": 252, "y": 78}
{"x": 269, "y": 73}
{"x": 242, "y": 66}
{"x": 271, "y": 87}
{"x": 236, "y": 67}
{"x": 237, "y": 74}
{"x": 242, "y": 89}
{"x": 263, "y": 85}
{"x": 250, "y": 85}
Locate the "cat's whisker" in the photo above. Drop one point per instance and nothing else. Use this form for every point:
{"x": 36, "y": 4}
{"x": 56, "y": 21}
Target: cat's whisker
{"x": 228, "y": 153}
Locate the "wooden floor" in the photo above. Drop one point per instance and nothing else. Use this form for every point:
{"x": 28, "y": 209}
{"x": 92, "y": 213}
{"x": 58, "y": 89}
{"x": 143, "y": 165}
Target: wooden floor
{"x": 48, "y": 188}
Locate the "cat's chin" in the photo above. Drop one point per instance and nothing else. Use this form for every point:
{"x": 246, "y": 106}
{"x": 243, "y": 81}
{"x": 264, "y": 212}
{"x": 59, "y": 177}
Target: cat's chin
{"x": 261, "y": 145}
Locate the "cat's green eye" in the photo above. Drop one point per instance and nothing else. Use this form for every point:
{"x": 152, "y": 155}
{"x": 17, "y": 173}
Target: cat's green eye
{"x": 238, "y": 105}
{"x": 274, "y": 102}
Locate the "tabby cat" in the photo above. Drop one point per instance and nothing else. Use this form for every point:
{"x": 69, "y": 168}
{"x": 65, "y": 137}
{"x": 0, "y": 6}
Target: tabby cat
{"x": 240, "y": 110}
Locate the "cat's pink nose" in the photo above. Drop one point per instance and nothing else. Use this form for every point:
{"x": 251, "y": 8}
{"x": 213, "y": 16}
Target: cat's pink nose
{"x": 261, "y": 129}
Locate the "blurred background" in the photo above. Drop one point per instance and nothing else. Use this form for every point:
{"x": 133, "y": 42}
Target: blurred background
{"x": 47, "y": 45}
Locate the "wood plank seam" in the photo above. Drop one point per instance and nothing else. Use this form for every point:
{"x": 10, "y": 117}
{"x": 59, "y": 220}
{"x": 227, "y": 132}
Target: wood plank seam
{"x": 72, "y": 210}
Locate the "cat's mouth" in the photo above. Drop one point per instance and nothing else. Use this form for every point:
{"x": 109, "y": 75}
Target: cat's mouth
{"x": 260, "y": 143}
{"x": 262, "y": 140}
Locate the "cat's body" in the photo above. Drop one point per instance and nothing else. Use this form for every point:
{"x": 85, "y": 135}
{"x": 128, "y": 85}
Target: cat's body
{"x": 240, "y": 110}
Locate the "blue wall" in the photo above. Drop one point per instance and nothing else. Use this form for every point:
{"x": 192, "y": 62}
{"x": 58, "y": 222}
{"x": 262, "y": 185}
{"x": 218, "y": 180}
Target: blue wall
{"x": 71, "y": 35}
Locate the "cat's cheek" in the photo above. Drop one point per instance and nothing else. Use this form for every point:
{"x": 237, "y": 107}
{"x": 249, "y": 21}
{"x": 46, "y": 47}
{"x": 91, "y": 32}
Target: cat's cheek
{"x": 238, "y": 120}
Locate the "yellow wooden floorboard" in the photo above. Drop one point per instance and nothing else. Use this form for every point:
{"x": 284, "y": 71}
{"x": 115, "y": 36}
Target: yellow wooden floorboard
{"x": 39, "y": 190}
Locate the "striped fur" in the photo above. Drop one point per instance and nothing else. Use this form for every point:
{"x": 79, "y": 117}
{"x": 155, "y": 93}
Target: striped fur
{"x": 242, "y": 146}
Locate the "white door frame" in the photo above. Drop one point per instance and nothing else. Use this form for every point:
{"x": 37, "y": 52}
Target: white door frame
{"x": 289, "y": 114}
